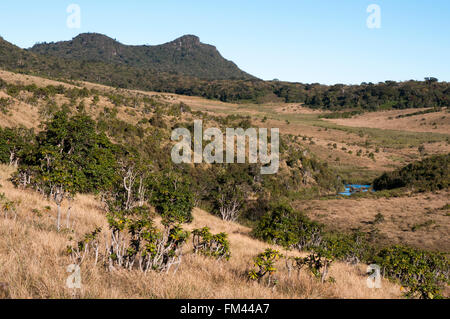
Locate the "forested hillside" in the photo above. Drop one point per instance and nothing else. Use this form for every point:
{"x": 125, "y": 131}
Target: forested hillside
{"x": 181, "y": 66}
{"x": 71, "y": 129}
{"x": 183, "y": 56}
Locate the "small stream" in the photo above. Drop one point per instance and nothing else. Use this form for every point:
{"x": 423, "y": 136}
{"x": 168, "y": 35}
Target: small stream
{"x": 355, "y": 188}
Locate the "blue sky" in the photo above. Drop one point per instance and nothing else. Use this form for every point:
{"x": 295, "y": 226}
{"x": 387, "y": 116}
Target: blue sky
{"x": 325, "y": 41}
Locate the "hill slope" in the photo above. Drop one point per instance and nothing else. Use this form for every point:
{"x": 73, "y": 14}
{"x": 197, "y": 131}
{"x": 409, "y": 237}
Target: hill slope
{"x": 186, "y": 66}
{"x": 32, "y": 232}
{"x": 34, "y": 263}
{"x": 185, "y": 55}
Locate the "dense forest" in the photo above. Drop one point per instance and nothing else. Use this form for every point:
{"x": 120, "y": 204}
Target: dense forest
{"x": 183, "y": 56}
{"x": 133, "y": 71}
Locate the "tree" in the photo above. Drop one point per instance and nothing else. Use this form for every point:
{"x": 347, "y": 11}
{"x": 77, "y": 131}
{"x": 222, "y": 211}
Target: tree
{"x": 134, "y": 238}
{"x": 265, "y": 263}
{"x": 14, "y": 144}
{"x": 69, "y": 156}
{"x": 131, "y": 189}
{"x": 214, "y": 245}
{"x": 56, "y": 179}
{"x": 283, "y": 226}
{"x": 229, "y": 193}
{"x": 430, "y": 80}
{"x": 172, "y": 198}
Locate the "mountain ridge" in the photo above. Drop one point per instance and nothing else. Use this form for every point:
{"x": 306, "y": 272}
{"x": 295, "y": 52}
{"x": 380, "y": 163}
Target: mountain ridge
{"x": 185, "y": 55}
{"x": 127, "y": 73}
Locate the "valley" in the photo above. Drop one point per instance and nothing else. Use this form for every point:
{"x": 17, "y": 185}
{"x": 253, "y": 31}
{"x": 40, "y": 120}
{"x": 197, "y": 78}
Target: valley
{"x": 356, "y": 149}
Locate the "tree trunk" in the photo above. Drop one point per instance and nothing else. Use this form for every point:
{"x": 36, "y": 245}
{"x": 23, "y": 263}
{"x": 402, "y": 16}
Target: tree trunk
{"x": 58, "y": 218}
{"x": 68, "y": 217}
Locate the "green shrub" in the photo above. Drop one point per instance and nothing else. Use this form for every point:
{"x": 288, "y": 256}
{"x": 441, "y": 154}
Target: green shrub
{"x": 15, "y": 144}
{"x": 172, "y": 198}
{"x": 286, "y": 227}
{"x": 429, "y": 174}
{"x": 136, "y": 242}
{"x": 4, "y": 105}
{"x": 352, "y": 248}
{"x": 8, "y": 208}
{"x": 70, "y": 151}
{"x": 265, "y": 263}
{"x": 318, "y": 264}
{"x": 205, "y": 243}
{"x": 424, "y": 273}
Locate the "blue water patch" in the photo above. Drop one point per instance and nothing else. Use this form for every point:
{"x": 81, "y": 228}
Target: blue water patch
{"x": 355, "y": 188}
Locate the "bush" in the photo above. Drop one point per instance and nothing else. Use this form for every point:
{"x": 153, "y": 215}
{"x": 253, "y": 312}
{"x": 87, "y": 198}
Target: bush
{"x": 427, "y": 175}
{"x": 172, "y": 198}
{"x": 424, "y": 273}
{"x": 352, "y": 248}
{"x": 288, "y": 228}
{"x": 15, "y": 143}
{"x": 136, "y": 242}
{"x": 8, "y": 208}
{"x": 205, "y": 243}
{"x": 317, "y": 263}
{"x": 265, "y": 263}
{"x": 71, "y": 147}
{"x": 4, "y": 105}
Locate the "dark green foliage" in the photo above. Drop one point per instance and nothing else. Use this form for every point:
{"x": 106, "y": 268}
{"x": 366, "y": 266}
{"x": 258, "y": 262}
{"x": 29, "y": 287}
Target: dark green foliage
{"x": 258, "y": 208}
{"x": 436, "y": 109}
{"x": 429, "y": 174}
{"x": 4, "y": 105}
{"x": 15, "y": 143}
{"x": 70, "y": 152}
{"x": 146, "y": 247}
{"x": 183, "y": 75}
{"x": 69, "y": 156}
{"x": 423, "y": 273}
{"x": 231, "y": 186}
{"x": 208, "y": 244}
{"x": 288, "y": 228}
{"x": 185, "y": 55}
{"x": 341, "y": 115}
{"x": 172, "y": 198}
{"x": 307, "y": 166}
{"x": 352, "y": 248}
{"x": 157, "y": 121}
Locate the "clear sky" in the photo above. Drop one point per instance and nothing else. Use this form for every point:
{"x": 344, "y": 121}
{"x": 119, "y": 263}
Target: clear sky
{"x": 326, "y": 41}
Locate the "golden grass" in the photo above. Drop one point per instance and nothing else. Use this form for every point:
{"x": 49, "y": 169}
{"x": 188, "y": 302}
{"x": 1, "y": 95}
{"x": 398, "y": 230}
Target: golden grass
{"x": 32, "y": 259}
{"x": 437, "y": 122}
{"x": 33, "y": 262}
{"x": 401, "y": 214}
{"x": 302, "y": 121}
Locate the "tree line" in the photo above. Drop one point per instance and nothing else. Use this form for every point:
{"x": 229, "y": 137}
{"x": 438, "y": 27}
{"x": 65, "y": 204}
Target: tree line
{"x": 365, "y": 96}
